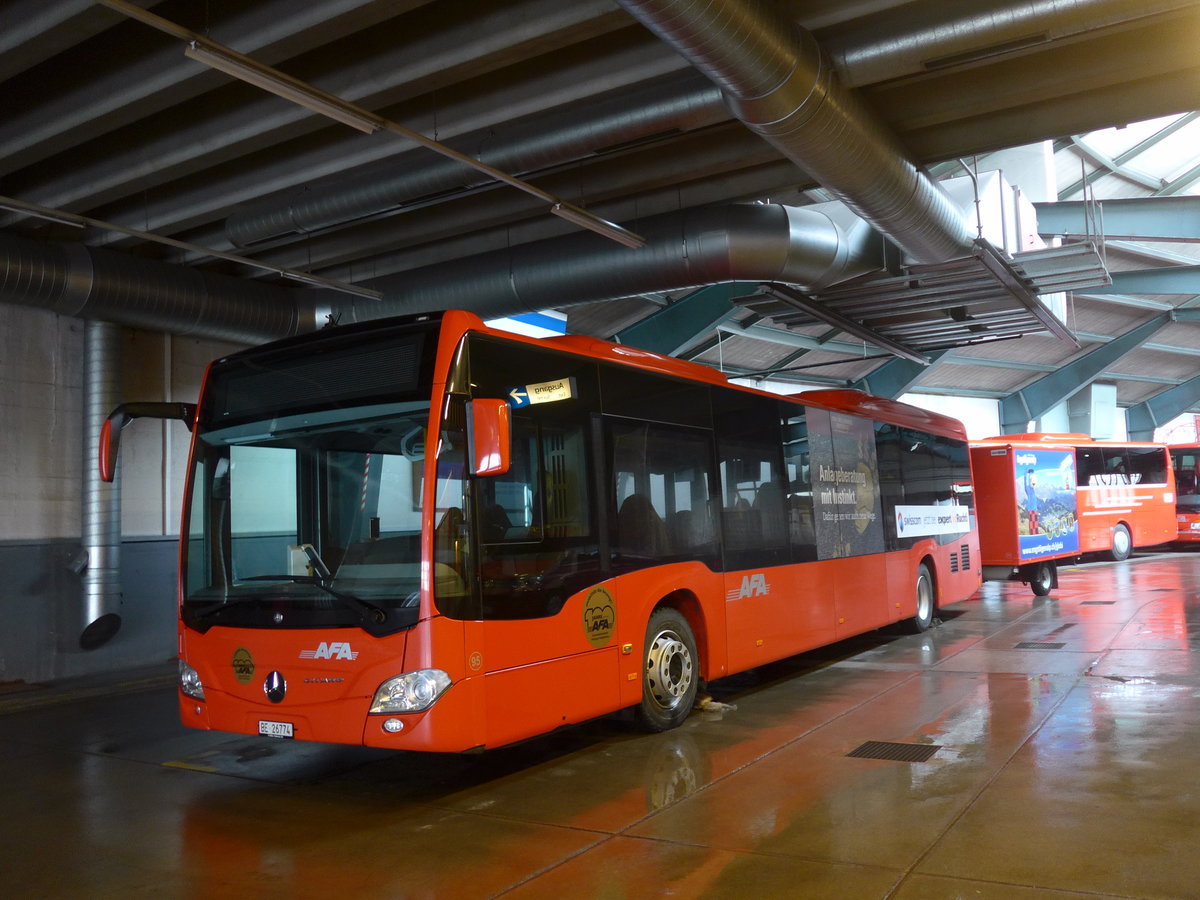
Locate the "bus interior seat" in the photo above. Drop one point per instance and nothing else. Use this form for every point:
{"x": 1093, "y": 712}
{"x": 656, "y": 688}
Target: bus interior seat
{"x": 641, "y": 531}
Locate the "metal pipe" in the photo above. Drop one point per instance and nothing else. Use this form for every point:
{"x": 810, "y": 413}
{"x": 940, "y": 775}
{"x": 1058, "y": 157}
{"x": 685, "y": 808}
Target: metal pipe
{"x": 101, "y": 502}
{"x": 779, "y": 83}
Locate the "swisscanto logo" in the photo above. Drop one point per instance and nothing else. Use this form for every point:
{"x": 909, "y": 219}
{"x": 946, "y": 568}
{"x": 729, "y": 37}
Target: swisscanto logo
{"x": 330, "y": 650}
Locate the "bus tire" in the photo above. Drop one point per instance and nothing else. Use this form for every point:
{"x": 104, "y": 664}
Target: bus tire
{"x": 1042, "y": 581}
{"x": 670, "y": 677}
{"x": 926, "y": 603}
{"x": 1122, "y": 543}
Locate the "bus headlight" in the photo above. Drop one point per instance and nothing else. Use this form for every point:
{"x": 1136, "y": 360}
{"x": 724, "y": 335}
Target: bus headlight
{"x": 410, "y": 692}
{"x": 189, "y": 681}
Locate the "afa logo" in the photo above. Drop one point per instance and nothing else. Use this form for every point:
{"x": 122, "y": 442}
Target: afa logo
{"x": 243, "y": 665}
{"x": 330, "y": 650}
{"x": 599, "y": 617}
{"x": 752, "y": 586}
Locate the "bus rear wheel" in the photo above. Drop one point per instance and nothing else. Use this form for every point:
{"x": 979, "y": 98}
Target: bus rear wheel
{"x": 1122, "y": 543}
{"x": 926, "y": 605}
{"x": 1043, "y": 579}
{"x": 670, "y": 679}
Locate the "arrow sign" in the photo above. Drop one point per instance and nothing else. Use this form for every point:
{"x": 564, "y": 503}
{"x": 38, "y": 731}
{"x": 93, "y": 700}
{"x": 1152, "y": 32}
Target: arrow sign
{"x": 541, "y": 392}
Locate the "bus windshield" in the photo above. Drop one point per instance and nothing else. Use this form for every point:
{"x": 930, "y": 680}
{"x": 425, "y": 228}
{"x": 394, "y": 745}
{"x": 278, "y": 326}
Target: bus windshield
{"x": 308, "y": 519}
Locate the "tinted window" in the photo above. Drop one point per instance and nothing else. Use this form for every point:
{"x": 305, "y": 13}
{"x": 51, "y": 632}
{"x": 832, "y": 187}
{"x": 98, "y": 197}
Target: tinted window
{"x": 753, "y": 490}
{"x": 643, "y": 395}
{"x": 797, "y": 461}
{"x": 1148, "y": 465}
{"x": 660, "y": 503}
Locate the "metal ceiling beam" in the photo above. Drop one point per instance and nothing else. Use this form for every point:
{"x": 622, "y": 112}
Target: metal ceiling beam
{"x": 1142, "y": 418}
{"x": 1106, "y": 166}
{"x": 897, "y": 376}
{"x": 1123, "y": 300}
{"x": 790, "y": 338}
{"x": 1133, "y": 219}
{"x": 676, "y": 326}
{"x": 1183, "y": 280}
{"x": 1036, "y": 399}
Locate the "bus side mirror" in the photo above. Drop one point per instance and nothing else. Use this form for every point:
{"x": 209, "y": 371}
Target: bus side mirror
{"x": 489, "y": 436}
{"x": 110, "y": 432}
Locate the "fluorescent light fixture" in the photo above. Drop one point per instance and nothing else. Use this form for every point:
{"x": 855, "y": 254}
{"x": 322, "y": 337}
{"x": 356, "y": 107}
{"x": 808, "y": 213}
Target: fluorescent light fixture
{"x": 41, "y": 212}
{"x": 229, "y": 61}
{"x": 247, "y": 70}
{"x": 585, "y": 219}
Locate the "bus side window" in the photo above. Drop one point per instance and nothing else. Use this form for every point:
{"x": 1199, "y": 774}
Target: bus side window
{"x": 755, "y": 518}
{"x": 660, "y": 494}
{"x": 802, "y": 533}
{"x": 1115, "y": 465}
{"x": 1088, "y": 465}
{"x": 1148, "y": 466}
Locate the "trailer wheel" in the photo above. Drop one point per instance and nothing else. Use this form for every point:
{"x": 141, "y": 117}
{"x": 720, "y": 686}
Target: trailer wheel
{"x": 1122, "y": 543}
{"x": 670, "y": 679}
{"x": 1042, "y": 581}
{"x": 926, "y": 604}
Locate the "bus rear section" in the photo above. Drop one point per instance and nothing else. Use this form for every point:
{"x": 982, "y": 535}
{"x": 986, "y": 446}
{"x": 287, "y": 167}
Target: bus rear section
{"x": 1185, "y": 461}
{"x": 1028, "y": 515}
{"x": 425, "y": 534}
{"x": 1046, "y": 497}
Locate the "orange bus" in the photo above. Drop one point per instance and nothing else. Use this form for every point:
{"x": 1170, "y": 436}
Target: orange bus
{"x": 1048, "y": 496}
{"x": 425, "y": 534}
{"x": 1185, "y": 460}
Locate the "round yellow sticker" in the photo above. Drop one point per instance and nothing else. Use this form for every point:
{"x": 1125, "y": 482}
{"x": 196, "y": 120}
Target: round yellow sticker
{"x": 599, "y": 617}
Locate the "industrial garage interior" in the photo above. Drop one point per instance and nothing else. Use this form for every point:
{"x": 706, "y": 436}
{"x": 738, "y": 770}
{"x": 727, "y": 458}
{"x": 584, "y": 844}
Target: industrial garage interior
{"x": 986, "y": 209}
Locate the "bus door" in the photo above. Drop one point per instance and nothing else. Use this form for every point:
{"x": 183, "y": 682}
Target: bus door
{"x": 770, "y": 609}
{"x": 545, "y": 633}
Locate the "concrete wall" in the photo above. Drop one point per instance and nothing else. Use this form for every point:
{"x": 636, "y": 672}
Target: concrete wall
{"x": 40, "y": 480}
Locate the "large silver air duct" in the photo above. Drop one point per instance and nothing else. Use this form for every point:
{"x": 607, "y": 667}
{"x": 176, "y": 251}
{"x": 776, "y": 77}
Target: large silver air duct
{"x": 684, "y": 102}
{"x": 91, "y": 283}
{"x": 100, "y": 561}
{"x": 778, "y": 82}
{"x": 813, "y": 246}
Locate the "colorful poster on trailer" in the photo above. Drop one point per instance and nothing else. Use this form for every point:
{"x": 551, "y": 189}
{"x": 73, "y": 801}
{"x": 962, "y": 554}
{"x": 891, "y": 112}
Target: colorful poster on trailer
{"x": 1047, "y": 517}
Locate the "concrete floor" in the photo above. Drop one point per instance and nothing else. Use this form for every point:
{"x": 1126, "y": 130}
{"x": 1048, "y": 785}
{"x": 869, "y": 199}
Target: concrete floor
{"x": 1066, "y": 770}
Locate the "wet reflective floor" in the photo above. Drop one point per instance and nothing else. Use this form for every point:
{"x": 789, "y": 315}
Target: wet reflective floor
{"x": 1066, "y": 728}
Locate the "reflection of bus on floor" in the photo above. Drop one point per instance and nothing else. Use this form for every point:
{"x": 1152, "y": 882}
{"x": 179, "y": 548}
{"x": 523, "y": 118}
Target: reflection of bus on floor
{"x": 425, "y": 534}
{"x": 1185, "y": 460}
{"x": 1045, "y": 497}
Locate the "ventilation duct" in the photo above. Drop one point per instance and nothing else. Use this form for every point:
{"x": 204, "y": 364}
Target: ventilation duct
{"x": 100, "y": 560}
{"x": 778, "y": 82}
{"x": 74, "y": 280}
{"x": 813, "y": 246}
{"x": 621, "y": 120}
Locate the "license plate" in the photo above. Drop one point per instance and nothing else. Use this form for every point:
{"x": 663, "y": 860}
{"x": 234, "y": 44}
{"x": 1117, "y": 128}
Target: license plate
{"x": 275, "y": 729}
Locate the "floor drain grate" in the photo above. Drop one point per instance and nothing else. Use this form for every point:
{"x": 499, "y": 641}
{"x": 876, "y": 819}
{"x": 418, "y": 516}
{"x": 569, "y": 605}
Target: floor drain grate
{"x": 1098, "y": 603}
{"x": 1039, "y": 645}
{"x": 894, "y": 751}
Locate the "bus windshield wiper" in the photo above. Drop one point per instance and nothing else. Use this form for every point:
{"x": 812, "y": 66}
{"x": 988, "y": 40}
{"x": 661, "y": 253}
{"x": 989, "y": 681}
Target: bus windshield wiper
{"x": 377, "y": 613}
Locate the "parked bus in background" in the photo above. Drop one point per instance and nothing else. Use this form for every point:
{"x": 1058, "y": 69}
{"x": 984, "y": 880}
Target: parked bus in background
{"x": 1046, "y": 497}
{"x": 1185, "y": 460}
{"x": 425, "y": 534}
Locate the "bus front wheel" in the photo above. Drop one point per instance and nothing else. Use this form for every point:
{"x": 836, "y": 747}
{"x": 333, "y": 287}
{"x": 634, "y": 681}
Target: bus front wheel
{"x": 670, "y": 679}
{"x": 1122, "y": 543}
{"x": 926, "y": 605}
